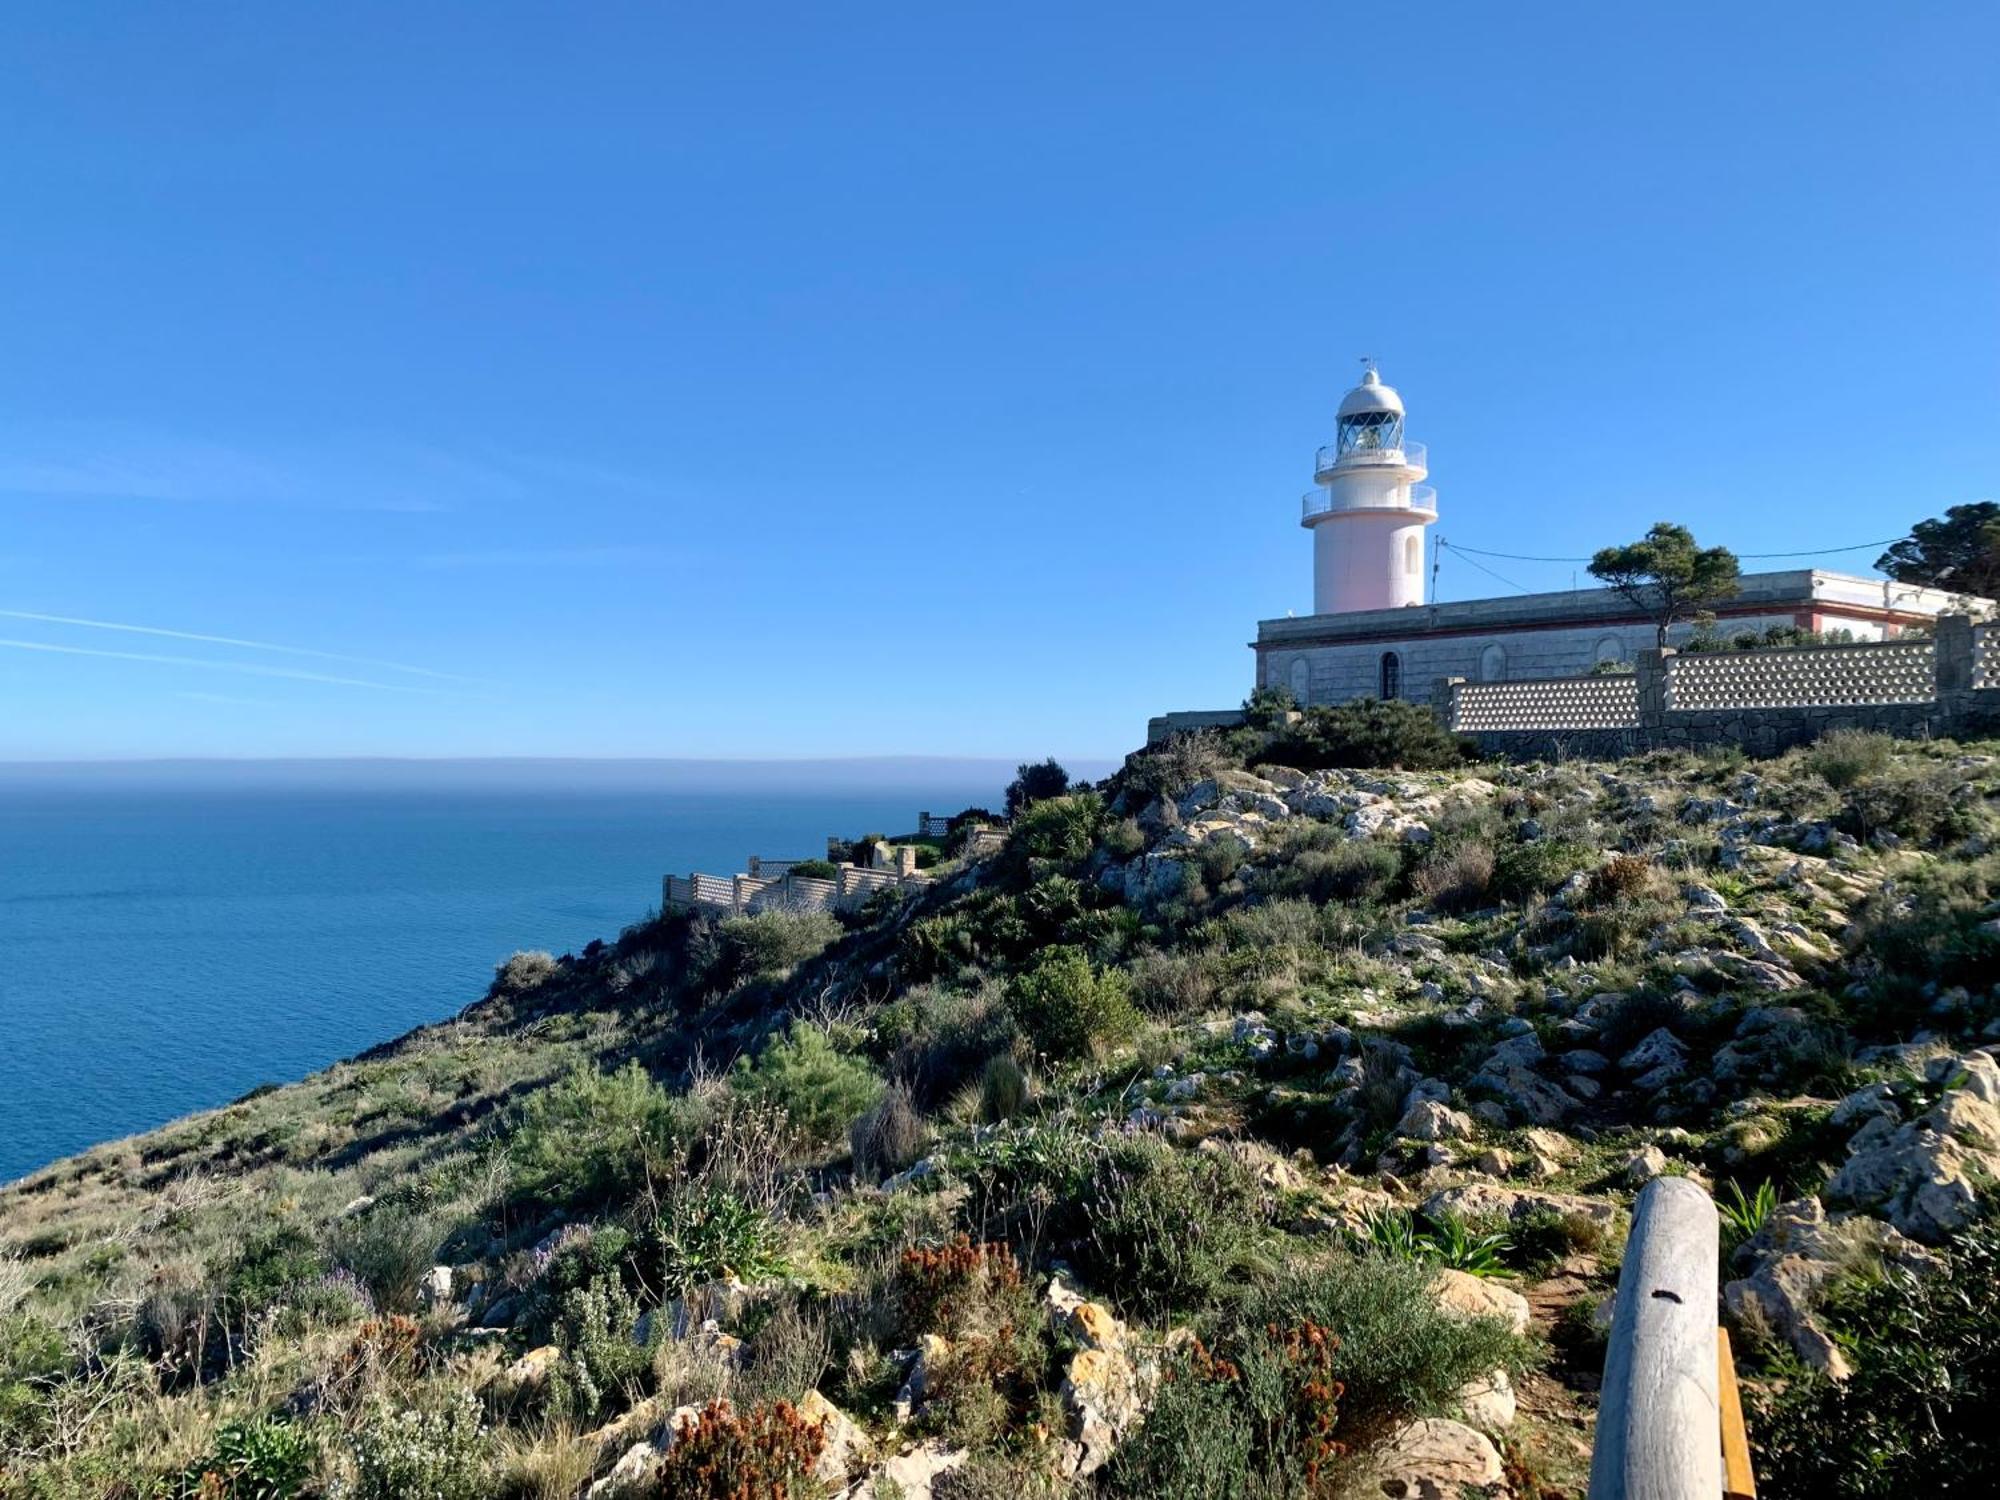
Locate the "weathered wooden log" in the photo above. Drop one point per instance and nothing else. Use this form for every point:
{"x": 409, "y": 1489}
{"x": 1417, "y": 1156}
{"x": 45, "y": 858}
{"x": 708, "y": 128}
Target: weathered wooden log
{"x": 1659, "y": 1424}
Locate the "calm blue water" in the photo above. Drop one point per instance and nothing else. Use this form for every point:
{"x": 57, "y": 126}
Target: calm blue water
{"x": 167, "y": 948}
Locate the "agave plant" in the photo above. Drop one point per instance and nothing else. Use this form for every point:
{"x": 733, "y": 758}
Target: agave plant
{"x": 1744, "y": 1214}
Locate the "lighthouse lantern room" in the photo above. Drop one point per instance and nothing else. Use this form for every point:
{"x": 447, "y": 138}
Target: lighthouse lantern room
{"x": 1368, "y": 510}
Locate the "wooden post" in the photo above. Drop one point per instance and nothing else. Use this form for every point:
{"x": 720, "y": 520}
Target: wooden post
{"x": 1739, "y": 1482}
{"x": 1659, "y": 1421}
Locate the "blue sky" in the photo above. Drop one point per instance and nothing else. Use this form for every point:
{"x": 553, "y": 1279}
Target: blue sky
{"x": 808, "y": 380}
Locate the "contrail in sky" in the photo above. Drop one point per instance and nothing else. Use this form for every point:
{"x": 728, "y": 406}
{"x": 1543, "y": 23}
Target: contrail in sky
{"x": 247, "y": 668}
{"x": 222, "y": 640}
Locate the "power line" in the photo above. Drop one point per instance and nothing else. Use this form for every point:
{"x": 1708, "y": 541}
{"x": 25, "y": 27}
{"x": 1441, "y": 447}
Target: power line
{"x": 1754, "y": 556}
{"x": 1517, "y": 588}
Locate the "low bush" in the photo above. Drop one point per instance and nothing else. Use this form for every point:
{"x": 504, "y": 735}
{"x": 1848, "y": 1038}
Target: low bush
{"x": 1933, "y": 926}
{"x": 525, "y": 972}
{"x": 1062, "y": 830}
{"x": 765, "y": 1453}
{"x": 251, "y": 1461}
{"x": 1356, "y": 871}
{"x": 1400, "y": 1352}
{"x": 1255, "y": 1418}
{"x": 1041, "y": 782}
{"x": 1925, "y": 804}
{"x": 1068, "y": 1007}
{"x": 815, "y": 869}
{"x": 1003, "y": 1089}
{"x": 1531, "y": 868}
{"x": 592, "y": 1138}
{"x": 1456, "y": 879}
{"x": 768, "y": 945}
{"x": 1368, "y": 732}
{"x": 1167, "y": 1230}
{"x": 605, "y": 1366}
{"x": 422, "y": 1453}
{"x": 705, "y": 1234}
{"x": 1845, "y": 756}
{"x": 820, "y": 1088}
{"x": 890, "y": 1136}
{"x": 1921, "y": 1412}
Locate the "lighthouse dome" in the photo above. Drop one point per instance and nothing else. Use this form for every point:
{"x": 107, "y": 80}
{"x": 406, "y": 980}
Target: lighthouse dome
{"x": 1369, "y": 397}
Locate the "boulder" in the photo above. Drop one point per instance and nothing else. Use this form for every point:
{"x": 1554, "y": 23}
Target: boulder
{"x": 1659, "y": 1049}
{"x": 528, "y": 1373}
{"x": 1435, "y": 1459}
{"x": 1643, "y": 1165}
{"x": 1488, "y": 1402}
{"x": 1428, "y": 1120}
{"x": 1925, "y": 1177}
{"x": 1488, "y": 1200}
{"x": 1106, "y": 1395}
{"x": 1792, "y": 1259}
{"x": 1466, "y": 1296}
{"x": 909, "y": 1476}
{"x": 434, "y": 1289}
{"x": 847, "y": 1449}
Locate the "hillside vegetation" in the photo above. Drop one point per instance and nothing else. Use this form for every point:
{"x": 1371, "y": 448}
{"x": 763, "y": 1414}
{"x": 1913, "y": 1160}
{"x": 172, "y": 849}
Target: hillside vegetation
{"x": 1261, "y": 1122}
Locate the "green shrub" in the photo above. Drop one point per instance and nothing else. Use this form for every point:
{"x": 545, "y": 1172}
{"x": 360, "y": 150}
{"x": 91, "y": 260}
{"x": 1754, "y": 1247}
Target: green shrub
{"x": 1003, "y": 1089}
{"x": 1368, "y": 732}
{"x": 1255, "y": 1418}
{"x": 1933, "y": 925}
{"x": 1455, "y": 879}
{"x": 816, "y": 869}
{"x": 770, "y": 944}
{"x": 273, "y": 1261}
{"x": 34, "y": 1358}
{"x": 1062, "y": 830}
{"x": 934, "y": 947}
{"x": 1042, "y": 782}
{"x": 820, "y": 1088}
{"x": 606, "y": 1366}
{"x": 1357, "y": 871}
{"x": 1924, "y": 804}
{"x": 525, "y": 972}
{"x": 252, "y": 1461}
{"x": 705, "y": 1234}
{"x": 890, "y": 1136}
{"x": 1168, "y": 1229}
{"x": 1533, "y": 867}
{"x": 1070, "y": 1008}
{"x": 593, "y": 1138}
{"x": 1921, "y": 1412}
{"x": 1400, "y": 1352}
{"x": 1845, "y": 756}
{"x": 422, "y": 1453}
{"x": 388, "y": 1250}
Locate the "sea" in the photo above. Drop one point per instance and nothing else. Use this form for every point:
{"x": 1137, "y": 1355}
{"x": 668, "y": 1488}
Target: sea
{"x": 173, "y": 935}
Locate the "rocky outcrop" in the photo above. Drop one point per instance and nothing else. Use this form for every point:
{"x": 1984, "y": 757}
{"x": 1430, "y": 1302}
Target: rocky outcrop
{"x": 1436, "y": 1459}
{"x": 1927, "y": 1177}
{"x": 1791, "y": 1261}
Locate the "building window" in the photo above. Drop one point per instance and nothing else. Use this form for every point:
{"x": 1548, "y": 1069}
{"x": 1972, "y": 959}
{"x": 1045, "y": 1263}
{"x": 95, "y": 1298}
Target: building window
{"x": 1413, "y": 555}
{"x": 1493, "y": 664}
{"x": 1610, "y": 649}
{"x": 1301, "y": 681}
{"x": 1392, "y": 676}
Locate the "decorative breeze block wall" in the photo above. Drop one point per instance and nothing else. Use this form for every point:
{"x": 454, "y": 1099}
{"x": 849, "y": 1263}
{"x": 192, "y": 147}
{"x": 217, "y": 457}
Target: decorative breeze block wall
{"x": 1807, "y": 677}
{"x": 1608, "y": 702}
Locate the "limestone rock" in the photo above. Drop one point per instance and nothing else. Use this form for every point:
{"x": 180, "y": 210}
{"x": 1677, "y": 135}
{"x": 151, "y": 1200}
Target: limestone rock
{"x": 1798, "y": 1252}
{"x": 1488, "y": 1403}
{"x": 1925, "y": 1177}
{"x": 1106, "y": 1394}
{"x": 1428, "y": 1120}
{"x": 1436, "y": 1459}
{"x": 434, "y": 1289}
{"x": 1483, "y": 1200}
{"x": 909, "y": 1476}
{"x": 1643, "y": 1165}
{"x": 847, "y": 1449}
{"x": 1660, "y": 1048}
{"x": 1464, "y": 1295}
{"x": 528, "y": 1373}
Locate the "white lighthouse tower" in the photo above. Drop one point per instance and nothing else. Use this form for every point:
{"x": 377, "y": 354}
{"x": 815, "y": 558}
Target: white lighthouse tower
{"x": 1368, "y": 514}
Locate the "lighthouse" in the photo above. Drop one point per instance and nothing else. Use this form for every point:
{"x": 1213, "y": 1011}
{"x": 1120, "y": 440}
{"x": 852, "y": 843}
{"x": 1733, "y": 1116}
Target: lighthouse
{"x": 1367, "y": 512}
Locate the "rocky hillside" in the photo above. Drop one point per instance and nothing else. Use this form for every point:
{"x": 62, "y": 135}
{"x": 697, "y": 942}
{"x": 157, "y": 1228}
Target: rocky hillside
{"x": 1247, "y": 1126}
